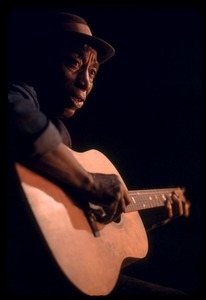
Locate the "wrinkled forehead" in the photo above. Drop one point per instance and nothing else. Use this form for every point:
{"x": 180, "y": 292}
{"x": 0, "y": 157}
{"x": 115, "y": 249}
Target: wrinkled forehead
{"x": 87, "y": 54}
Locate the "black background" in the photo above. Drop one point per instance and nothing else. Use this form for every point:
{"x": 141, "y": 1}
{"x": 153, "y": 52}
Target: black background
{"x": 145, "y": 113}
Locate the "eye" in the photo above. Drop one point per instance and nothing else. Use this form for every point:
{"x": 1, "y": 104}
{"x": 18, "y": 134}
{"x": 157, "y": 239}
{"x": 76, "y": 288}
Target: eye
{"x": 93, "y": 72}
{"x": 72, "y": 63}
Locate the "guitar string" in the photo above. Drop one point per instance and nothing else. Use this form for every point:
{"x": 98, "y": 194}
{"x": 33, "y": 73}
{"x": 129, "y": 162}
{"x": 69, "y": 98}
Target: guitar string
{"x": 142, "y": 199}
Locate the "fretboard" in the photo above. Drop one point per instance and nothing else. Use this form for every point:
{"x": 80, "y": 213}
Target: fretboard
{"x": 145, "y": 199}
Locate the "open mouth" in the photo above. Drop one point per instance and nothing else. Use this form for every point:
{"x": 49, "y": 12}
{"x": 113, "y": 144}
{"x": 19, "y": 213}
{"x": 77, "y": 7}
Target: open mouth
{"x": 77, "y": 102}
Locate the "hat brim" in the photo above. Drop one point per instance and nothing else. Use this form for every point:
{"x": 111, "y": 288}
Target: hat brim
{"x": 104, "y": 50}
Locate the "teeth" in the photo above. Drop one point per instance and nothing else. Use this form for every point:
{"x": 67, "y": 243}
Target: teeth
{"x": 77, "y": 102}
{"x": 77, "y": 99}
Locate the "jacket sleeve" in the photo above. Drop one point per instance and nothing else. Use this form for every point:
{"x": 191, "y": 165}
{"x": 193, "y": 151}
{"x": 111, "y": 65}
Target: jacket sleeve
{"x": 30, "y": 133}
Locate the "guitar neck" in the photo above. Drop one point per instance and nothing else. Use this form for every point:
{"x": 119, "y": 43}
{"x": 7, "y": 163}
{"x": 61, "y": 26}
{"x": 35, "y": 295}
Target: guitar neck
{"x": 145, "y": 199}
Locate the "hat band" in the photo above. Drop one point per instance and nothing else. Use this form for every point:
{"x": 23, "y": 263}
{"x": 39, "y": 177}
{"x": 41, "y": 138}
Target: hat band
{"x": 76, "y": 27}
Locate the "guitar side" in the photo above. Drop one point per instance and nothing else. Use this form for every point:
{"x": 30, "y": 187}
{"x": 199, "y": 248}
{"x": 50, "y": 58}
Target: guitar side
{"x": 91, "y": 263}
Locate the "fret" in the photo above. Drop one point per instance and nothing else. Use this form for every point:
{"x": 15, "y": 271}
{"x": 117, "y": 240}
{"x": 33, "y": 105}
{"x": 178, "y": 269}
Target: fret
{"x": 144, "y": 199}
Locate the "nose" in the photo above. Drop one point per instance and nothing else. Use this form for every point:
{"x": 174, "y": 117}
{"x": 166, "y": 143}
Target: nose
{"x": 83, "y": 80}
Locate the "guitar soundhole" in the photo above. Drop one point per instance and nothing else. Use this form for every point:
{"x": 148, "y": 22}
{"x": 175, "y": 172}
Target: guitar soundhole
{"x": 118, "y": 220}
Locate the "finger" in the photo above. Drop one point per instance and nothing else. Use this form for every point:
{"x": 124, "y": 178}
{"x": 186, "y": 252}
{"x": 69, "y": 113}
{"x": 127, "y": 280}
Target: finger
{"x": 118, "y": 206}
{"x": 114, "y": 210}
{"x": 186, "y": 208}
{"x": 127, "y": 199}
{"x": 177, "y": 204}
{"x": 122, "y": 200}
{"x": 169, "y": 208}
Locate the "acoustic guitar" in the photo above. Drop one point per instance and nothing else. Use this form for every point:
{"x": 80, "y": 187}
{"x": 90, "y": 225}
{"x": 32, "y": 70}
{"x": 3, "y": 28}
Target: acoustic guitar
{"x": 90, "y": 253}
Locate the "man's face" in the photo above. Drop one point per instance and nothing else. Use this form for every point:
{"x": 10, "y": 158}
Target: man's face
{"x": 78, "y": 71}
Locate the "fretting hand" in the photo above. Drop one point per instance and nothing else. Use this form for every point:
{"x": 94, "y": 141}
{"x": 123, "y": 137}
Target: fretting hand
{"x": 176, "y": 206}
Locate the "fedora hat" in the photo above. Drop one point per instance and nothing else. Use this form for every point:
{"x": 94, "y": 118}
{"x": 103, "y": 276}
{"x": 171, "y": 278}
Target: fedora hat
{"x": 76, "y": 27}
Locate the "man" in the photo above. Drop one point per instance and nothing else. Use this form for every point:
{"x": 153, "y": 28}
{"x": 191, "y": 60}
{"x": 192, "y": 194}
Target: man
{"x": 51, "y": 86}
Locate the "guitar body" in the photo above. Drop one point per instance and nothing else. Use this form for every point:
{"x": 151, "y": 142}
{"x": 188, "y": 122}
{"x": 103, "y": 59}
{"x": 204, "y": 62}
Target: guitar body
{"x": 92, "y": 263}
